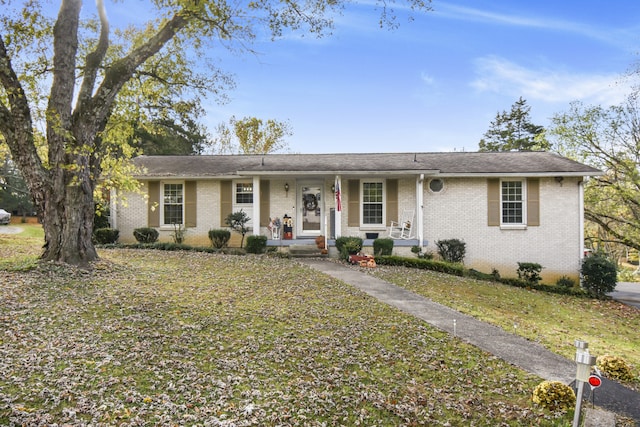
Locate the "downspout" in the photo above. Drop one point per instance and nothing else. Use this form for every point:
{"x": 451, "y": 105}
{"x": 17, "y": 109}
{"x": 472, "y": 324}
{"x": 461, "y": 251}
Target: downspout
{"x": 420, "y": 208}
{"x": 113, "y": 208}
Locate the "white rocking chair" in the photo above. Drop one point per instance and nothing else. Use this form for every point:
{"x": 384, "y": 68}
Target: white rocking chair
{"x": 403, "y": 229}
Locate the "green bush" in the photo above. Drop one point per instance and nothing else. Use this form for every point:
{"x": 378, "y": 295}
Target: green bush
{"x": 238, "y": 222}
{"x": 219, "y": 238}
{"x": 106, "y": 236}
{"x": 599, "y": 275}
{"x": 256, "y": 244}
{"x": 451, "y": 250}
{"x": 424, "y": 264}
{"x": 566, "y": 282}
{"x": 479, "y": 275}
{"x": 146, "y": 235}
{"x": 383, "y": 246}
{"x": 529, "y": 272}
{"x": 348, "y": 246}
{"x": 101, "y": 217}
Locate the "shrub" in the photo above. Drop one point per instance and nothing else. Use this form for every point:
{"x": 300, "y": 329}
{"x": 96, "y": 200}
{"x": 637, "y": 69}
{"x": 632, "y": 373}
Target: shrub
{"x": 615, "y": 367}
{"x": 475, "y": 274}
{"x": 418, "y": 251}
{"x": 106, "y": 236}
{"x": 554, "y": 396}
{"x": 383, "y": 246}
{"x": 256, "y": 244}
{"x": 451, "y": 250}
{"x": 219, "y": 238}
{"x": 101, "y": 217}
{"x": 146, "y": 235}
{"x": 566, "y": 282}
{"x": 178, "y": 233}
{"x": 529, "y": 272}
{"x": 424, "y": 264}
{"x": 599, "y": 275}
{"x": 348, "y": 246}
{"x": 238, "y": 222}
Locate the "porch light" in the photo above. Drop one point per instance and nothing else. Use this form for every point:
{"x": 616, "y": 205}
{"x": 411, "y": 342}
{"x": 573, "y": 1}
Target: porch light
{"x": 286, "y": 187}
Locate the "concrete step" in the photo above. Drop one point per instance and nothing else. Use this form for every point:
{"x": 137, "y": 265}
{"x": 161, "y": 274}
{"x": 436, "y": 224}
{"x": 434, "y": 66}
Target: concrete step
{"x": 310, "y": 250}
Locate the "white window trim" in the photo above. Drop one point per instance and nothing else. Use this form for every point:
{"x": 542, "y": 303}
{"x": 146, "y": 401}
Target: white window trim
{"x": 384, "y": 205}
{"x": 164, "y": 226}
{"x": 236, "y": 205}
{"x": 513, "y": 225}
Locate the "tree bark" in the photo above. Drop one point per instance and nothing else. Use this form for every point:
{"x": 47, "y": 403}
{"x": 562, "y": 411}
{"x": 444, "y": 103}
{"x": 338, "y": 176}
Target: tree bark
{"x": 63, "y": 185}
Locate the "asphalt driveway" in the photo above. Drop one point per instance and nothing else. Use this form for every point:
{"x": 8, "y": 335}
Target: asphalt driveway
{"x": 627, "y": 293}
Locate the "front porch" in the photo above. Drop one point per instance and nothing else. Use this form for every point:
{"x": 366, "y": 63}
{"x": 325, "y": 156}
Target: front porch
{"x": 307, "y": 247}
{"x": 408, "y": 243}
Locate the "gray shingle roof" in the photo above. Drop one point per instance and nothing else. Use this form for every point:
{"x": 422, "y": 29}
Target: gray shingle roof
{"x": 447, "y": 164}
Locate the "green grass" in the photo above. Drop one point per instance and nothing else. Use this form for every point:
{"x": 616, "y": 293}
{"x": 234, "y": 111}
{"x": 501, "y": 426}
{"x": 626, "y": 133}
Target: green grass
{"x": 555, "y": 321}
{"x": 184, "y": 338}
{"x": 174, "y": 337}
{"x": 21, "y": 251}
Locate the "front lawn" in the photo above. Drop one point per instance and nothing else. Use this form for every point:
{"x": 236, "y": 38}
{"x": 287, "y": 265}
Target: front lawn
{"x": 184, "y": 338}
{"x": 553, "y": 320}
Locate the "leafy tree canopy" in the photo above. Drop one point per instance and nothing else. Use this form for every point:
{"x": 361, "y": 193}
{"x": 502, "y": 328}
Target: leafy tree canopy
{"x": 513, "y": 130}
{"x": 251, "y": 135}
{"x": 608, "y": 139}
{"x": 70, "y": 89}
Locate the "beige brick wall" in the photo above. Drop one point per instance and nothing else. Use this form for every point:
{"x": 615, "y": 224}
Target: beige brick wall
{"x": 460, "y": 211}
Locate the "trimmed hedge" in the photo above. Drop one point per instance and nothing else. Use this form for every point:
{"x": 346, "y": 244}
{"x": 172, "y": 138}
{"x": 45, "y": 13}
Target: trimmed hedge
{"x": 256, "y": 244}
{"x": 459, "y": 270}
{"x": 219, "y": 237}
{"x": 146, "y": 234}
{"x": 423, "y": 264}
{"x": 383, "y": 246}
{"x": 106, "y": 236}
{"x": 519, "y": 283}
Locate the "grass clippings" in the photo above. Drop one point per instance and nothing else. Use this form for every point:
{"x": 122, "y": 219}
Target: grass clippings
{"x": 184, "y": 338}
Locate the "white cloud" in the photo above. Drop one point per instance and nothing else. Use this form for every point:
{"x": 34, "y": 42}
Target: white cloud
{"x": 427, "y": 79}
{"x": 623, "y": 37}
{"x": 502, "y": 76}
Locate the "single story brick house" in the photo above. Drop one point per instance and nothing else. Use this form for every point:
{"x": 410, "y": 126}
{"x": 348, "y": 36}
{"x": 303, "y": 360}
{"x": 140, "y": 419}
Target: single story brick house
{"x": 508, "y": 207}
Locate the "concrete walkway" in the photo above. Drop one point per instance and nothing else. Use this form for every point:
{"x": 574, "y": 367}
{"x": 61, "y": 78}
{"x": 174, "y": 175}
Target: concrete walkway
{"x": 516, "y": 350}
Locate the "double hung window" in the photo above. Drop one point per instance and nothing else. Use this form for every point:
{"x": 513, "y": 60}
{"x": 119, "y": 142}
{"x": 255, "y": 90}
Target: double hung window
{"x": 244, "y": 193}
{"x": 372, "y": 203}
{"x": 172, "y": 204}
{"x": 512, "y": 203}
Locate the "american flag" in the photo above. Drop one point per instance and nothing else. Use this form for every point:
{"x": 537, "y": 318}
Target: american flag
{"x": 338, "y": 197}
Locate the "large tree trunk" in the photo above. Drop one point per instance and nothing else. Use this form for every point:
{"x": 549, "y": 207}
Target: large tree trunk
{"x": 62, "y": 184}
{"x": 68, "y": 220}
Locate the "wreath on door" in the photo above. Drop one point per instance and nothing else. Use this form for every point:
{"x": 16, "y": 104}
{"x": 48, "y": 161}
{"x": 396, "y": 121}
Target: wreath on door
{"x": 310, "y": 202}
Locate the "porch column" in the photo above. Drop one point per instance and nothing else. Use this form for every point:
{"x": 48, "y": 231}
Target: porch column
{"x": 337, "y": 199}
{"x": 113, "y": 208}
{"x": 420, "y": 208}
{"x": 255, "y": 219}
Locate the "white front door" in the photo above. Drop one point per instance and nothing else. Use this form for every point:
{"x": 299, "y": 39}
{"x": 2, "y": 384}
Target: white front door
{"x": 310, "y": 208}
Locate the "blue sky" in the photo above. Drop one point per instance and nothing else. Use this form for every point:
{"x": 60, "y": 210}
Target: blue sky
{"x": 435, "y": 83}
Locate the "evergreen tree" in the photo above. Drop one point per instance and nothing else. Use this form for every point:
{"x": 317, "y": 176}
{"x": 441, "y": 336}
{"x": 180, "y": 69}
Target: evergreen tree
{"x": 513, "y": 130}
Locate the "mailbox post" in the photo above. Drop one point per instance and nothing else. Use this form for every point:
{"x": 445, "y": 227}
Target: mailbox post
{"x": 584, "y": 363}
